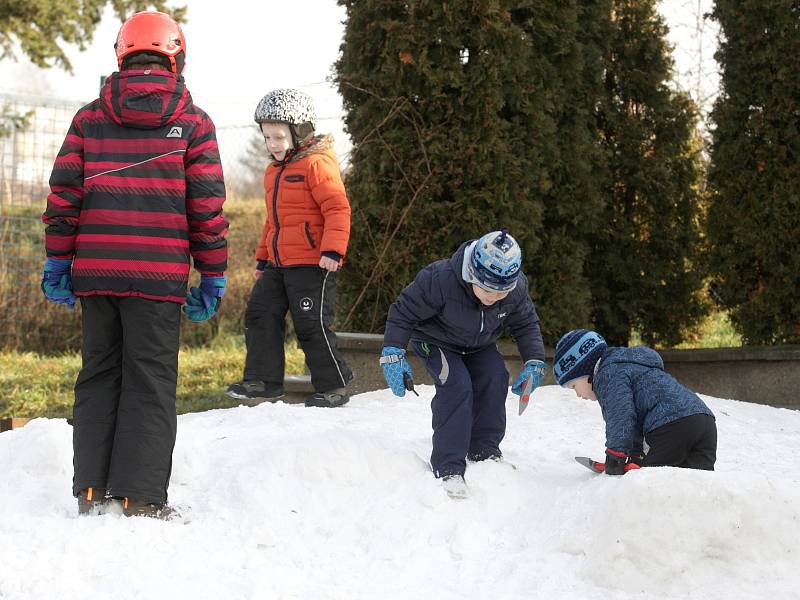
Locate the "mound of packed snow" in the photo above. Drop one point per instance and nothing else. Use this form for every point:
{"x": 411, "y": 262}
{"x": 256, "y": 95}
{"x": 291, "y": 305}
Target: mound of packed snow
{"x": 282, "y": 501}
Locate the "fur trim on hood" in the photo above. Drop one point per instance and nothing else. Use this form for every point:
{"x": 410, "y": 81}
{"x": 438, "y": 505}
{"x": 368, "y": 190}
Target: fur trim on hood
{"x": 317, "y": 145}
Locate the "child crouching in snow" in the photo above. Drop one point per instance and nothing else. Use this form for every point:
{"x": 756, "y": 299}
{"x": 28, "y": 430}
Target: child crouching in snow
{"x": 640, "y": 402}
{"x": 453, "y": 313}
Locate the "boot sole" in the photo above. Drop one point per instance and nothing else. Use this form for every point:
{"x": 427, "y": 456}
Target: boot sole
{"x": 246, "y": 397}
{"x": 327, "y": 405}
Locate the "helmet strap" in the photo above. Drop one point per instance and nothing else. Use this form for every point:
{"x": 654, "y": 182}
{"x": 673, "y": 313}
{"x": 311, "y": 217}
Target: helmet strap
{"x": 293, "y": 131}
{"x": 178, "y": 62}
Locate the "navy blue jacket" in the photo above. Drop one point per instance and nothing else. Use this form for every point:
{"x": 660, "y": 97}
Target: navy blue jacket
{"x": 440, "y": 307}
{"x": 637, "y": 396}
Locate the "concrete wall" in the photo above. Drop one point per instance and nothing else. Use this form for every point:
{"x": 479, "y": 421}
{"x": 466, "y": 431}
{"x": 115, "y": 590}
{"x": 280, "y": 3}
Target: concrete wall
{"x": 765, "y": 375}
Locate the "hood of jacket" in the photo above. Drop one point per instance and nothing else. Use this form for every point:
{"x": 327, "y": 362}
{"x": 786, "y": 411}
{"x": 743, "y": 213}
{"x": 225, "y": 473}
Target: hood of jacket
{"x": 635, "y": 355}
{"x": 317, "y": 145}
{"x": 144, "y": 99}
{"x": 457, "y": 263}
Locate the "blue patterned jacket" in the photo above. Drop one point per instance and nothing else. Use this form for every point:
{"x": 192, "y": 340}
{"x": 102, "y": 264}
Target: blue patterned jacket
{"x": 637, "y": 396}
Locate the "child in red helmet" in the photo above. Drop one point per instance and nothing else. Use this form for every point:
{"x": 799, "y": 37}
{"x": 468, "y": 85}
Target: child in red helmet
{"x": 137, "y": 195}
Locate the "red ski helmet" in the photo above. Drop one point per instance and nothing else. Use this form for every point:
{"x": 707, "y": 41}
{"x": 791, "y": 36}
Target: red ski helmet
{"x": 153, "y": 32}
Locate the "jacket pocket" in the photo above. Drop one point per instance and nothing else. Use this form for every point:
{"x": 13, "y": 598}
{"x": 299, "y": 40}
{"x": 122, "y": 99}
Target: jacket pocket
{"x": 308, "y": 235}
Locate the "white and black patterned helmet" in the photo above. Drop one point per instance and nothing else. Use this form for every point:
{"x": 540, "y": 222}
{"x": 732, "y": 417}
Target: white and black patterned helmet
{"x": 289, "y": 106}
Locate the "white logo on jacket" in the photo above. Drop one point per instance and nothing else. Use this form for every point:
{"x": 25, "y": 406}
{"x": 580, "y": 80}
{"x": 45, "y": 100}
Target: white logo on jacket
{"x": 175, "y": 132}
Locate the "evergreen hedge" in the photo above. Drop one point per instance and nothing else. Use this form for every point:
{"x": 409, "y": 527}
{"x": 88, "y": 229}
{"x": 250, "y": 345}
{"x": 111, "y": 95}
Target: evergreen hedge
{"x": 472, "y": 115}
{"x": 644, "y": 262}
{"x": 754, "y": 211}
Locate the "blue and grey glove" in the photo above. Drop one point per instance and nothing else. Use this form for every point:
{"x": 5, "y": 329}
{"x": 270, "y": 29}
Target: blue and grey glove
{"x": 396, "y": 369}
{"x": 532, "y": 368}
{"x": 202, "y": 302}
{"x": 57, "y": 281}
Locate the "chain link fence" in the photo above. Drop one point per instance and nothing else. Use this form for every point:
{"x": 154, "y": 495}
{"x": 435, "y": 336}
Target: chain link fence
{"x": 32, "y": 129}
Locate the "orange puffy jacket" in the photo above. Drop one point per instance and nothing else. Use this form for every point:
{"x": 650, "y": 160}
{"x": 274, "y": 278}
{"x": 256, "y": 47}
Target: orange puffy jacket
{"x": 307, "y": 208}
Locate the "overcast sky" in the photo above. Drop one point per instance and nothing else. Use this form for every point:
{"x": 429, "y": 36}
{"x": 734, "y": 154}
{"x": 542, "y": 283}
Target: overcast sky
{"x": 238, "y": 50}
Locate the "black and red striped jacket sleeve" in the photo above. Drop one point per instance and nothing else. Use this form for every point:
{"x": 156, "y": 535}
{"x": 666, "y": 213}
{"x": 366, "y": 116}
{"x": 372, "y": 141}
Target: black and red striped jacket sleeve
{"x": 66, "y": 196}
{"x": 205, "y": 195}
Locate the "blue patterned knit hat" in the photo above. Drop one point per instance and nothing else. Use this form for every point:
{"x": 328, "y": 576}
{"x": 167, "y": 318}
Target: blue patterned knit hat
{"x": 493, "y": 262}
{"x": 577, "y": 353}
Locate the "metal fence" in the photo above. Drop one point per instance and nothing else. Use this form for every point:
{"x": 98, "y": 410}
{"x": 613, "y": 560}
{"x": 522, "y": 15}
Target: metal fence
{"x": 29, "y": 143}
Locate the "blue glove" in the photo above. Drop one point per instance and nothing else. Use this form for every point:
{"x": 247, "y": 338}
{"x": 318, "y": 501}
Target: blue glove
{"x": 202, "y": 302}
{"x": 395, "y": 369}
{"x": 57, "y": 281}
{"x": 532, "y": 368}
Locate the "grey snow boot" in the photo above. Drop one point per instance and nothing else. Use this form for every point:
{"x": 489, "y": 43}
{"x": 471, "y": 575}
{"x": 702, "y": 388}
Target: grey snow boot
{"x": 330, "y": 399}
{"x": 455, "y": 486}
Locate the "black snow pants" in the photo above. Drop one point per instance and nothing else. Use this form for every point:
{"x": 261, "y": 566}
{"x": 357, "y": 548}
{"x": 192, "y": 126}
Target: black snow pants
{"x": 124, "y": 421}
{"x": 309, "y": 294}
{"x": 690, "y": 442}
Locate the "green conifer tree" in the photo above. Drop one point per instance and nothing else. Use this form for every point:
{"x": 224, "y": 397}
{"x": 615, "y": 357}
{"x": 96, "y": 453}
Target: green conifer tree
{"x": 570, "y": 39}
{"x": 459, "y": 114}
{"x": 643, "y": 264}
{"x": 754, "y": 207}
{"x": 40, "y": 27}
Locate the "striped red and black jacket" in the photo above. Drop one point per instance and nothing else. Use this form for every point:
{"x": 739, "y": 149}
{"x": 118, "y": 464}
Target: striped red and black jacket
{"x": 137, "y": 189}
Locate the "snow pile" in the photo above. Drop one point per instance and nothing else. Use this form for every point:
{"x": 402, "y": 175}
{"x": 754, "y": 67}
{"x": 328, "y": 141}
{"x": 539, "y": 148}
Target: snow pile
{"x": 289, "y": 502}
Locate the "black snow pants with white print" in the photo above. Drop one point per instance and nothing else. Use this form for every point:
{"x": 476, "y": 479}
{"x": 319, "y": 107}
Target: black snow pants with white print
{"x": 309, "y": 294}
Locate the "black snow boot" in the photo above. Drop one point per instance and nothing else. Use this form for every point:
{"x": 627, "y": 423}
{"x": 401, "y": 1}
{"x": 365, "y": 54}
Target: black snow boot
{"x": 329, "y": 399}
{"x": 255, "y": 390}
{"x": 480, "y": 455}
{"x": 92, "y": 501}
{"x": 137, "y": 508}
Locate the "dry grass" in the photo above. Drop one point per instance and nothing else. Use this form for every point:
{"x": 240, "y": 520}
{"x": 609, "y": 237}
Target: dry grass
{"x": 35, "y": 385}
{"x": 40, "y": 341}
{"x": 28, "y": 322}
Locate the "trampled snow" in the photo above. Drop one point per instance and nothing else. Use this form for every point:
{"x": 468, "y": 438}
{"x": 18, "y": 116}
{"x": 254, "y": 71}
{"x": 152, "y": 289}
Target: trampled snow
{"x": 283, "y": 501}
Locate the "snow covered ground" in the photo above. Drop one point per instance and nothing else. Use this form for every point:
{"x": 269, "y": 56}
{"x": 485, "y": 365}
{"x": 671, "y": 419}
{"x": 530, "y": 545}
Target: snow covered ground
{"x": 290, "y": 502}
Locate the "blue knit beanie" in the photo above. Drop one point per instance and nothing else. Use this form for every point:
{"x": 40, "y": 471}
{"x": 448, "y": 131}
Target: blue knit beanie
{"x": 577, "y": 353}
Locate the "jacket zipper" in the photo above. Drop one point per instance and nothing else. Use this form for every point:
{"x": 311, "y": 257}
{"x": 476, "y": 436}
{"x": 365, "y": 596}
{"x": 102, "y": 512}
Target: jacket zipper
{"x": 308, "y": 235}
{"x": 275, "y": 216}
{"x": 478, "y": 336}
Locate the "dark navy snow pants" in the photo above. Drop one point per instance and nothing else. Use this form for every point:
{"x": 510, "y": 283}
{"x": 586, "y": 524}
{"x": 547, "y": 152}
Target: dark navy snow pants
{"x": 469, "y": 407}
